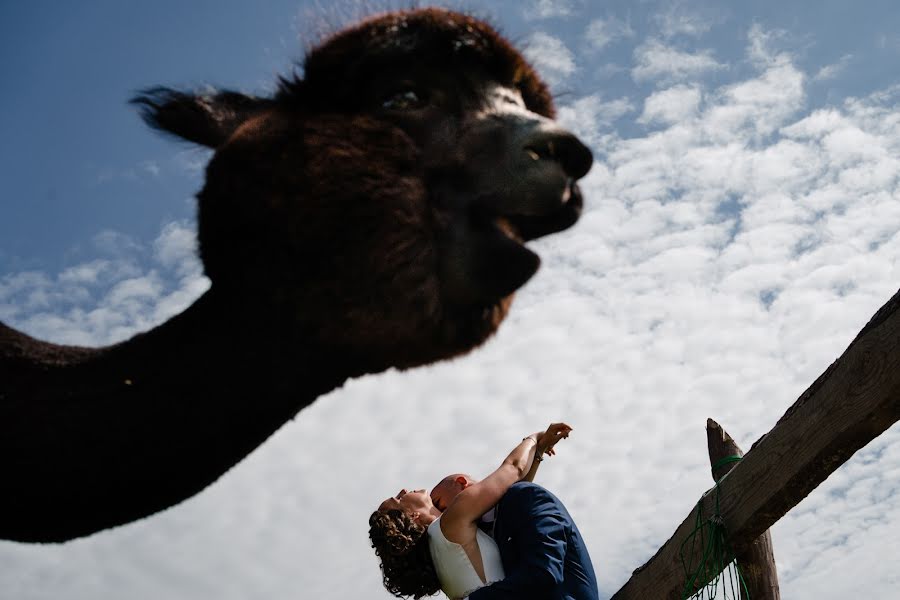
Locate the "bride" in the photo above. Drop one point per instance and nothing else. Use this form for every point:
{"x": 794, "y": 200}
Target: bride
{"x": 424, "y": 549}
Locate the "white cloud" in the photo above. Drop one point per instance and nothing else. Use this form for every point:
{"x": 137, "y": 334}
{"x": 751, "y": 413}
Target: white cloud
{"x": 607, "y": 70}
{"x": 115, "y": 243}
{"x": 151, "y": 167}
{"x": 762, "y": 46}
{"x": 191, "y": 161}
{"x": 834, "y": 69}
{"x": 550, "y": 56}
{"x": 590, "y": 116}
{"x": 671, "y": 105}
{"x": 544, "y": 9}
{"x": 176, "y": 247}
{"x": 105, "y": 300}
{"x": 759, "y": 105}
{"x": 676, "y": 20}
{"x": 888, "y": 41}
{"x": 137, "y": 289}
{"x": 602, "y": 32}
{"x": 86, "y": 273}
{"x": 815, "y": 230}
{"x": 657, "y": 61}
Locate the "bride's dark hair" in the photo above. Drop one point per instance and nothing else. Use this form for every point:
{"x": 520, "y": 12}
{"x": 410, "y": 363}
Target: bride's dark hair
{"x": 401, "y": 544}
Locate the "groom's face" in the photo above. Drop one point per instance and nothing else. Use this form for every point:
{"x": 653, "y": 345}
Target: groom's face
{"x": 447, "y": 489}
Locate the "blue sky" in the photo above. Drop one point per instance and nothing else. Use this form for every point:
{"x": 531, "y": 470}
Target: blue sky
{"x": 742, "y": 223}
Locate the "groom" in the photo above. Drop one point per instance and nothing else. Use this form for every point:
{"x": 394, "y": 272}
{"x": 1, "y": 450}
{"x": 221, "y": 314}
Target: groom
{"x": 543, "y": 553}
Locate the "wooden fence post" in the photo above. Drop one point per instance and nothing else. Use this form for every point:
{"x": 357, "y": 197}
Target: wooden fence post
{"x": 757, "y": 561}
{"x": 853, "y": 402}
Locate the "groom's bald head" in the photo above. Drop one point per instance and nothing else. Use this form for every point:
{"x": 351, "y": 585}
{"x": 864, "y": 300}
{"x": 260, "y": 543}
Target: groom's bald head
{"x": 448, "y": 487}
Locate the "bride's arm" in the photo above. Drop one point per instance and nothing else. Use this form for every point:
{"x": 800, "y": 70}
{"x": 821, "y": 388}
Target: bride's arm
{"x": 535, "y": 464}
{"x": 478, "y": 498}
{"x": 545, "y": 444}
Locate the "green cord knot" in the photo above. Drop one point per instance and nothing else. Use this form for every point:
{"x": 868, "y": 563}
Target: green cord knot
{"x": 717, "y": 566}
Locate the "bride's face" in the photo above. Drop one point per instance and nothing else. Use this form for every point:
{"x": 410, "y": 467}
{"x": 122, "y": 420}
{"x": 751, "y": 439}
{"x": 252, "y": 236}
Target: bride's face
{"x": 412, "y": 502}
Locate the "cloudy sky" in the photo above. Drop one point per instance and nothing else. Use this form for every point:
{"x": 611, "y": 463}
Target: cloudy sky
{"x": 742, "y": 224}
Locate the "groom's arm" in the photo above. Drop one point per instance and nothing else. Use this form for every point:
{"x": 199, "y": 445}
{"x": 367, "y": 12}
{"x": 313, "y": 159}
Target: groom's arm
{"x": 541, "y": 536}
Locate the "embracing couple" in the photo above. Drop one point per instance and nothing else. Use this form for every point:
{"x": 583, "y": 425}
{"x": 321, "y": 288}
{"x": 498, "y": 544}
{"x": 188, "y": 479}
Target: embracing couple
{"x": 431, "y": 542}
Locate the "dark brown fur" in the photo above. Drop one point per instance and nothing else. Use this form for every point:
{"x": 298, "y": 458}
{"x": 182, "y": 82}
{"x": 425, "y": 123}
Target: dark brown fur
{"x": 344, "y": 233}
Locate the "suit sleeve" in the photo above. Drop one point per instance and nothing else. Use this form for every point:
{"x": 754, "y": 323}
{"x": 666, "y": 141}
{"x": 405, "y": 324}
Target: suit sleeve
{"x": 542, "y": 535}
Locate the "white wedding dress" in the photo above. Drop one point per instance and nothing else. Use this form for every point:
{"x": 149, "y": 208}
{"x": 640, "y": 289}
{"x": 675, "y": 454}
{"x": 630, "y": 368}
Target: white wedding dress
{"x": 454, "y": 569}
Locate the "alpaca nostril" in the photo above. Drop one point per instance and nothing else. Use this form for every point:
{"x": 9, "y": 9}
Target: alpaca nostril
{"x": 563, "y": 147}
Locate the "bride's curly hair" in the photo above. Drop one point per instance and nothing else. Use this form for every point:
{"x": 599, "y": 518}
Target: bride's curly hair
{"x": 401, "y": 544}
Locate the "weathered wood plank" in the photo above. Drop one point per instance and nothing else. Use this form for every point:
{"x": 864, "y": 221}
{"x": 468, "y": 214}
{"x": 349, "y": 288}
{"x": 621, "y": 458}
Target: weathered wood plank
{"x": 851, "y": 403}
{"x": 757, "y": 561}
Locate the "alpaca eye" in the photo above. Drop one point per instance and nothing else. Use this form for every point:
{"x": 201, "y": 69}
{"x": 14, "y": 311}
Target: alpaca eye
{"x": 405, "y": 100}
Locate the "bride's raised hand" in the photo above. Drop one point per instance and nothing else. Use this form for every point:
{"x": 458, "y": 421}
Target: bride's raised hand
{"x": 548, "y": 439}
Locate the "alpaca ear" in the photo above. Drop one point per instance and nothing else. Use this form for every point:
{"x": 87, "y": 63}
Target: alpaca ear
{"x": 207, "y": 119}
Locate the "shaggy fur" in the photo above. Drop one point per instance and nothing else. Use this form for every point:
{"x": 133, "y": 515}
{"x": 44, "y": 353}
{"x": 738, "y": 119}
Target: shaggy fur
{"x": 370, "y": 215}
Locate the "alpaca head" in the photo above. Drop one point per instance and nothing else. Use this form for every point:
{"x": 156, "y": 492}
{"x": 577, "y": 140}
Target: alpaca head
{"x": 379, "y": 203}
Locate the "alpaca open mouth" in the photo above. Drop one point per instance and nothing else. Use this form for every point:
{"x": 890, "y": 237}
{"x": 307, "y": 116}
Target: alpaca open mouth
{"x": 484, "y": 257}
{"x": 532, "y": 227}
{"x": 527, "y": 227}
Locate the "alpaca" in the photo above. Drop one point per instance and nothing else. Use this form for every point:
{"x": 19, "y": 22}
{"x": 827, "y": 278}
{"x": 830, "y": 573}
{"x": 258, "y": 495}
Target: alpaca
{"x": 371, "y": 214}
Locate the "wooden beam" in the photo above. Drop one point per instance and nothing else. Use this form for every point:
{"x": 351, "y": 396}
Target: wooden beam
{"x": 757, "y": 561}
{"x": 850, "y": 404}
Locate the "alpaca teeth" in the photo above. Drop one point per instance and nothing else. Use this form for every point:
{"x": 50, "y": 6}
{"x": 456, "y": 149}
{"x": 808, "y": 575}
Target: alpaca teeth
{"x": 534, "y": 155}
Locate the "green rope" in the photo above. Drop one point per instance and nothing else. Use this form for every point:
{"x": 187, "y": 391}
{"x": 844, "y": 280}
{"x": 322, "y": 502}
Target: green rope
{"x": 726, "y": 460}
{"x": 710, "y": 540}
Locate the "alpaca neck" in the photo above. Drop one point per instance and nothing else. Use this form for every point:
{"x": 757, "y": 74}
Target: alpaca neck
{"x": 101, "y": 437}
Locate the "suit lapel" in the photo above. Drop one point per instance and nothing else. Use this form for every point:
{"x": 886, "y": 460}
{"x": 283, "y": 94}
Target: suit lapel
{"x": 509, "y": 553}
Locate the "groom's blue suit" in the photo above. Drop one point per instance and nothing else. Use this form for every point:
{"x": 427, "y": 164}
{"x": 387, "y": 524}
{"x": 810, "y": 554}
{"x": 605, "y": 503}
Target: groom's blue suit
{"x": 543, "y": 553}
